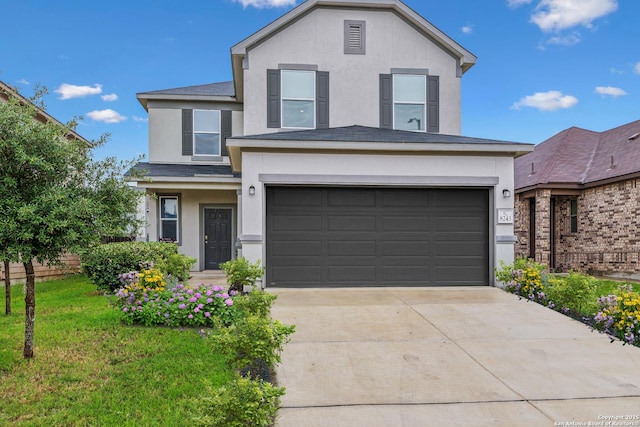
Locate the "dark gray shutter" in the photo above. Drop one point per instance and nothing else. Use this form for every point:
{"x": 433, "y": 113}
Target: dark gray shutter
{"x": 386, "y": 101}
{"x": 322, "y": 99}
{"x": 273, "y": 98}
{"x": 187, "y": 132}
{"x": 433, "y": 104}
{"x": 225, "y": 130}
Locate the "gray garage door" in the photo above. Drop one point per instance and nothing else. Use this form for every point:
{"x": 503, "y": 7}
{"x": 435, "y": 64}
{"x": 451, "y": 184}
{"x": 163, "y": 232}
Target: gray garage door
{"x": 377, "y": 237}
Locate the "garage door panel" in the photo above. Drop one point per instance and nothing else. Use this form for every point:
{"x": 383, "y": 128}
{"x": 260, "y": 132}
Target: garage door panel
{"x": 378, "y": 237}
{"x": 341, "y": 248}
{"x": 352, "y": 223}
{"x": 352, "y": 274}
{"x": 348, "y": 198}
{"x": 293, "y": 223}
{"x": 405, "y": 248}
{"x": 405, "y": 223}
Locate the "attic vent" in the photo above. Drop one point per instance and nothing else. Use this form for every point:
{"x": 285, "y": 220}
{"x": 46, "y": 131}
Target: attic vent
{"x": 355, "y": 37}
{"x": 634, "y": 136}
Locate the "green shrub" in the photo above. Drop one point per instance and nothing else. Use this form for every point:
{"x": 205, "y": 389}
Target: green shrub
{"x": 103, "y": 263}
{"x": 257, "y": 303}
{"x": 509, "y": 272}
{"x": 243, "y": 402}
{"x": 252, "y": 342}
{"x": 575, "y": 292}
{"x": 241, "y": 272}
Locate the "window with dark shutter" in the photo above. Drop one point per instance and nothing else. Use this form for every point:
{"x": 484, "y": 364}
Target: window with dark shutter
{"x": 354, "y": 37}
{"x": 433, "y": 104}
{"x": 322, "y": 99}
{"x": 225, "y": 130}
{"x": 386, "y": 101}
{"x": 273, "y": 98}
{"x": 187, "y": 132}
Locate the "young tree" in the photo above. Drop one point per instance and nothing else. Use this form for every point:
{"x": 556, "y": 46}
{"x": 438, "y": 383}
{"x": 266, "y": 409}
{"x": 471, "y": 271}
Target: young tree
{"x": 54, "y": 197}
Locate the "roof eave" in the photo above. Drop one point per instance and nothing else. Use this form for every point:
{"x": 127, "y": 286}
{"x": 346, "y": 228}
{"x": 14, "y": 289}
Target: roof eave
{"x": 143, "y": 98}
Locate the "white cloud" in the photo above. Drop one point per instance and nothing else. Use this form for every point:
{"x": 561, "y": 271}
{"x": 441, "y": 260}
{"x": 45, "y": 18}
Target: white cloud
{"x": 546, "y": 101}
{"x": 610, "y": 91}
{"x": 556, "y": 15}
{"x": 636, "y": 68}
{"x": 467, "y": 29}
{"x": 107, "y": 116}
{"x": 68, "y": 91}
{"x": 139, "y": 119}
{"x": 260, "y": 4}
{"x": 24, "y": 82}
{"x": 109, "y": 97}
{"x": 517, "y": 3}
{"x": 569, "y": 40}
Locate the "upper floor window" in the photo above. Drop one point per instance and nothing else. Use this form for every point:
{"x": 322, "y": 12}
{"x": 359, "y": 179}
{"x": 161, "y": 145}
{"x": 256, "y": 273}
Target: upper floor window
{"x": 206, "y": 132}
{"x": 298, "y": 99}
{"x": 409, "y": 102}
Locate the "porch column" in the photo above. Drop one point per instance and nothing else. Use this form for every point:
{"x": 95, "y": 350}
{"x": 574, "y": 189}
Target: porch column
{"x": 238, "y": 243}
{"x": 543, "y": 226}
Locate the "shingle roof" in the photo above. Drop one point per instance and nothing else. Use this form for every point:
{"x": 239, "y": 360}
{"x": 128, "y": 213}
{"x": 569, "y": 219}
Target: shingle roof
{"x": 357, "y": 133}
{"x": 579, "y": 156}
{"x": 210, "y": 89}
{"x": 182, "y": 170}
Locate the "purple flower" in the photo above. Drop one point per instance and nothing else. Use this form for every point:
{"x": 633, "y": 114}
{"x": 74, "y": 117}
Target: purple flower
{"x": 190, "y": 316}
{"x": 225, "y": 295}
{"x": 209, "y": 300}
{"x": 166, "y": 315}
{"x": 181, "y": 306}
{"x": 198, "y": 295}
{"x": 200, "y": 305}
{"x": 233, "y": 293}
{"x": 125, "y": 309}
{"x": 217, "y": 288}
{"x": 209, "y": 293}
{"x": 207, "y": 314}
{"x": 193, "y": 299}
{"x": 196, "y": 310}
{"x": 190, "y": 291}
{"x": 228, "y": 302}
{"x": 171, "y": 300}
{"x": 133, "y": 308}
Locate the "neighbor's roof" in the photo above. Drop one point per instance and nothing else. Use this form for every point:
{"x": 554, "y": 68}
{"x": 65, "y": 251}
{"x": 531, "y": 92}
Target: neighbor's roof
{"x": 222, "y": 91}
{"x": 579, "y": 157}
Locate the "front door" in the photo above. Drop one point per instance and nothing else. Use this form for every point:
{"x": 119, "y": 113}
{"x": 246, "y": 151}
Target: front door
{"x": 217, "y": 237}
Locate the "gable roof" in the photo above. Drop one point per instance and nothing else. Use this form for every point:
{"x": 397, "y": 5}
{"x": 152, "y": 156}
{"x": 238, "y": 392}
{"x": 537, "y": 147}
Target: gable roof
{"x": 7, "y": 92}
{"x": 221, "y": 91}
{"x": 466, "y": 59}
{"x": 578, "y": 157}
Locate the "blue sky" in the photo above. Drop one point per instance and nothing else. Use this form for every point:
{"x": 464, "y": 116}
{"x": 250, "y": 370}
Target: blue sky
{"x": 543, "y": 65}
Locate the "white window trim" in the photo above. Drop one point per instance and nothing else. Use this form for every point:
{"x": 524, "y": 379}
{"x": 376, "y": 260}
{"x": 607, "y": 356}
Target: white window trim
{"x": 424, "y": 104}
{"x": 283, "y": 99}
{"x": 176, "y": 219}
{"x": 219, "y": 133}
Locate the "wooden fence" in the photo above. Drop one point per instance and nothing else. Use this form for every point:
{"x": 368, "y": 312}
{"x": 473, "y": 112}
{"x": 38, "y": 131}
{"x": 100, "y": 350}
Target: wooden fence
{"x": 42, "y": 271}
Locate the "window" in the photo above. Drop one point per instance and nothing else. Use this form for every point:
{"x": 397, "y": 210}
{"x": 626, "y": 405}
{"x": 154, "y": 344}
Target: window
{"x": 573, "y": 215}
{"x": 409, "y": 102}
{"x": 298, "y": 99}
{"x": 206, "y": 132}
{"x": 169, "y": 218}
{"x": 354, "y": 37}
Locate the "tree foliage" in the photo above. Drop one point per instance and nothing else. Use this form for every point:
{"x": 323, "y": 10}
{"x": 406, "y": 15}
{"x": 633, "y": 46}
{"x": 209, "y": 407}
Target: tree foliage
{"x": 54, "y": 197}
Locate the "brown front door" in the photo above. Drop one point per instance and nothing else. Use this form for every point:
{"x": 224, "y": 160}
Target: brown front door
{"x": 217, "y": 237}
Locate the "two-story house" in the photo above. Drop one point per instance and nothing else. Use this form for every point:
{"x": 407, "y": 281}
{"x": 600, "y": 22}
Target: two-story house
{"x": 334, "y": 156}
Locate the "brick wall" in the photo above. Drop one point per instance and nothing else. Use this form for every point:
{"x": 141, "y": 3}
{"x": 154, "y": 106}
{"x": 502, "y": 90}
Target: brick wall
{"x": 608, "y": 238}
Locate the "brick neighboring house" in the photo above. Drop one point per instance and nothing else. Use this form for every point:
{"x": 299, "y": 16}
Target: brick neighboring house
{"x": 42, "y": 272}
{"x": 577, "y": 201}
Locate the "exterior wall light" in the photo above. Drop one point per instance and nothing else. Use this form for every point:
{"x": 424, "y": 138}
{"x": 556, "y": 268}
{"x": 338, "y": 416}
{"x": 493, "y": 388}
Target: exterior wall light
{"x": 252, "y": 190}
{"x": 506, "y": 193}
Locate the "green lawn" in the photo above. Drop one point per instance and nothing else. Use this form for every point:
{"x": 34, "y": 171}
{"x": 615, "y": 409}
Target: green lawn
{"x": 89, "y": 369}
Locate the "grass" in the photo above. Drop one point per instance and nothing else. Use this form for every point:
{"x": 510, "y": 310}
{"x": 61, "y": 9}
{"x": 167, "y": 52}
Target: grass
{"x": 89, "y": 369}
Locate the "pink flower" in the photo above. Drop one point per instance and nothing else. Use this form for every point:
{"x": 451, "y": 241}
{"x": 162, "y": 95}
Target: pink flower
{"x": 209, "y": 292}
{"x": 228, "y": 302}
{"x": 195, "y": 310}
{"x": 209, "y": 300}
{"x": 193, "y": 299}
{"x": 190, "y": 316}
{"x": 207, "y": 314}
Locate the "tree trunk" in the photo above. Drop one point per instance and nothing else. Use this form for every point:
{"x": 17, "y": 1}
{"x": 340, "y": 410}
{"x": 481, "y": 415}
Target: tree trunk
{"x": 7, "y": 284}
{"x": 30, "y": 309}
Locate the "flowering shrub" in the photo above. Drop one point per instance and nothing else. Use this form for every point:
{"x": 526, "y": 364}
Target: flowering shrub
{"x": 619, "y": 315}
{"x": 177, "y": 306}
{"x": 523, "y": 278}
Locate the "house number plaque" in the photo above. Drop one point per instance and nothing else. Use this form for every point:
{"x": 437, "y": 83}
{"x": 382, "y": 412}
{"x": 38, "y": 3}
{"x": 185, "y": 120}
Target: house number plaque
{"x": 505, "y": 216}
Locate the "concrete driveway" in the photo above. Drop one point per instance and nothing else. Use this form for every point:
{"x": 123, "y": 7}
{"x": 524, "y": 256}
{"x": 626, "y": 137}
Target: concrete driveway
{"x": 447, "y": 357}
